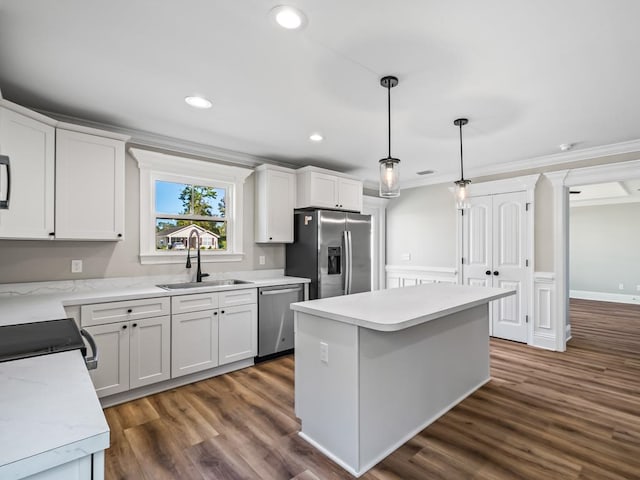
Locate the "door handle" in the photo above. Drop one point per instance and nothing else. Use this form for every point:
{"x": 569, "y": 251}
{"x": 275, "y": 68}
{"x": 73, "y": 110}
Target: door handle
{"x": 496, "y": 273}
{"x": 488, "y": 272}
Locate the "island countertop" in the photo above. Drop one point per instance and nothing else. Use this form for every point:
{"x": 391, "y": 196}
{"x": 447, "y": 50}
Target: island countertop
{"x": 399, "y": 308}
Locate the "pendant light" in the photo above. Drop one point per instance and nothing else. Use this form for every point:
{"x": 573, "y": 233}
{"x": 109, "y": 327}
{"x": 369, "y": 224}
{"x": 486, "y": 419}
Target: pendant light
{"x": 462, "y": 190}
{"x": 389, "y": 167}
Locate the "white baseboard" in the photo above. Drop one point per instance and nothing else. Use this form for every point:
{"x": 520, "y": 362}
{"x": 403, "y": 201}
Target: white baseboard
{"x": 605, "y": 297}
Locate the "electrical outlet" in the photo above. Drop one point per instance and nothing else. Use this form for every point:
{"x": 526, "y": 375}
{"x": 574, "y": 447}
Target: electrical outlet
{"x": 324, "y": 352}
{"x": 638, "y": 288}
{"x": 406, "y": 256}
{"x": 262, "y": 259}
{"x": 621, "y": 286}
{"x": 76, "y": 266}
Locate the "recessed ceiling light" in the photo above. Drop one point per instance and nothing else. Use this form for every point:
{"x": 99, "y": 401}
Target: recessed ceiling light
{"x": 198, "y": 102}
{"x": 316, "y": 137}
{"x": 566, "y": 146}
{"x": 288, "y": 17}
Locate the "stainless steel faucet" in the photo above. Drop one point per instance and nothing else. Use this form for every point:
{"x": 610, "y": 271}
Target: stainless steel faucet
{"x": 199, "y": 274}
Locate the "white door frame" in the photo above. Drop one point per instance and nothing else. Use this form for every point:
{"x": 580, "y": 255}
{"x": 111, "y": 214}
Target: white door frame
{"x": 526, "y": 183}
{"x": 377, "y": 208}
{"x": 562, "y": 181}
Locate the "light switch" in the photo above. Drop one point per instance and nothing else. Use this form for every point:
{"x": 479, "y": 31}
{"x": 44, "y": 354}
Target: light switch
{"x": 262, "y": 260}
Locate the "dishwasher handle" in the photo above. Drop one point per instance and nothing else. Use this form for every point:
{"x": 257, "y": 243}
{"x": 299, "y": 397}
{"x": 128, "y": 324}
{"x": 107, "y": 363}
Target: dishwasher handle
{"x": 280, "y": 291}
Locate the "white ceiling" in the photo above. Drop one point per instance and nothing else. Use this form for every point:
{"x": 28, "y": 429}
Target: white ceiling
{"x": 530, "y": 75}
{"x": 606, "y": 193}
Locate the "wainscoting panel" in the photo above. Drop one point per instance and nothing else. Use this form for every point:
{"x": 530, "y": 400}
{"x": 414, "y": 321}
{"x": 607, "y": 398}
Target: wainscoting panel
{"x": 406, "y": 276}
{"x": 543, "y": 334}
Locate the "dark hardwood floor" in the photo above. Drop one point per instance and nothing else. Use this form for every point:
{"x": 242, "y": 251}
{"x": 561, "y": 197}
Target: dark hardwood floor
{"x": 544, "y": 415}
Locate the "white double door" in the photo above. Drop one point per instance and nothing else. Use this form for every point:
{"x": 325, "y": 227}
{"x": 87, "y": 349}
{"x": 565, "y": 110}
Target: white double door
{"x": 495, "y": 255}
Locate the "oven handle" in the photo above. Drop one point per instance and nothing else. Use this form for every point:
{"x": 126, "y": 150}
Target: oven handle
{"x": 92, "y": 362}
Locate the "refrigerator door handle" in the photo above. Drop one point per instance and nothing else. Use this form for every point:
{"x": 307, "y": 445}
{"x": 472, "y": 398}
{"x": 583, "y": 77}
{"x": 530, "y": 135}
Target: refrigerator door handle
{"x": 350, "y": 262}
{"x": 347, "y": 269}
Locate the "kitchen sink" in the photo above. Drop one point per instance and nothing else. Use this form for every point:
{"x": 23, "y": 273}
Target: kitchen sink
{"x": 208, "y": 283}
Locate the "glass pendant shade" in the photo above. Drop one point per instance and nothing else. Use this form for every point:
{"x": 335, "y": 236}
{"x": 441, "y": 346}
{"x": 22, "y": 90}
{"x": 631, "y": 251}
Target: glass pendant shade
{"x": 389, "y": 177}
{"x": 462, "y": 185}
{"x": 462, "y": 194}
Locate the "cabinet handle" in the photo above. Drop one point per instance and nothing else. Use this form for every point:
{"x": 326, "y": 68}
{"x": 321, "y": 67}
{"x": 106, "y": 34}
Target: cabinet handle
{"x": 119, "y": 235}
{"x": 215, "y": 313}
{"x": 124, "y": 327}
{"x": 130, "y": 310}
{"x": 337, "y": 205}
{"x": 488, "y": 272}
{"x": 51, "y": 234}
{"x": 496, "y": 272}
{"x": 221, "y": 311}
{"x": 270, "y": 238}
{"x": 134, "y": 325}
{"x": 4, "y": 160}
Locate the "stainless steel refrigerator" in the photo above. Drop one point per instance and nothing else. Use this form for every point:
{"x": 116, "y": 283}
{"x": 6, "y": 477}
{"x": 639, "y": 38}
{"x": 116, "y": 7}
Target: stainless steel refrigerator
{"x": 333, "y": 249}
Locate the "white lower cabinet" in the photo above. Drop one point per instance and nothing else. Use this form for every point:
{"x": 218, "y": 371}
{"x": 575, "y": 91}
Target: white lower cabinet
{"x": 139, "y": 343}
{"x": 131, "y": 354}
{"x": 213, "y": 336}
{"x": 238, "y": 333}
{"x": 90, "y": 467}
{"x": 194, "y": 342}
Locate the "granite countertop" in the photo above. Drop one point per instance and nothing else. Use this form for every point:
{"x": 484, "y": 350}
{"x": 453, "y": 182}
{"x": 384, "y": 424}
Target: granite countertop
{"x": 49, "y": 414}
{"x": 400, "y": 308}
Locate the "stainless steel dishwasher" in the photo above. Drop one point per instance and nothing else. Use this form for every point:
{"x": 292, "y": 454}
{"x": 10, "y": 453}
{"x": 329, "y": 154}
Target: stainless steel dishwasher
{"x": 275, "y": 319}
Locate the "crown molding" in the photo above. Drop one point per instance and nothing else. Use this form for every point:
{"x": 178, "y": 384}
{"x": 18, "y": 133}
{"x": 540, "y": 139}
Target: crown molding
{"x": 534, "y": 162}
{"x": 145, "y": 139}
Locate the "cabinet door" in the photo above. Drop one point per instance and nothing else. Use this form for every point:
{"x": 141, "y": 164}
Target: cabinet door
{"x": 149, "y": 351}
{"x": 323, "y": 190}
{"x": 112, "y": 374}
{"x": 89, "y": 187}
{"x": 238, "y": 333}
{"x": 194, "y": 342}
{"x": 350, "y": 194}
{"x": 276, "y": 207}
{"x": 30, "y": 146}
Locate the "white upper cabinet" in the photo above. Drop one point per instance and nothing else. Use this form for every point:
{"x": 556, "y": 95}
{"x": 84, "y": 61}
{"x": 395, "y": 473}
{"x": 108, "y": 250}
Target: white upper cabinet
{"x": 321, "y": 189}
{"x": 89, "y": 186}
{"x": 62, "y": 181}
{"x": 275, "y": 201}
{"x": 28, "y": 139}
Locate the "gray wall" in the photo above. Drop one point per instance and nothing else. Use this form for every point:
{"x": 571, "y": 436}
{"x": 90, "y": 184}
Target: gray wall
{"x": 605, "y": 248}
{"x": 35, "y": 260}
{"x": 422, "y": 222}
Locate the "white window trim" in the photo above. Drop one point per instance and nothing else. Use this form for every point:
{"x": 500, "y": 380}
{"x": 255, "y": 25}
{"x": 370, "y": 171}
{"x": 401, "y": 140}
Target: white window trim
{"x": 160, "y": 166}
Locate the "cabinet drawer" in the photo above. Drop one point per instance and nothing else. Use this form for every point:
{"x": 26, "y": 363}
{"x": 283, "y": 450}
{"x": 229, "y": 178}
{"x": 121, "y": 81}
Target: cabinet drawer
{"x": 101, "y": 313}
{"x": 238, "y": 297}
{"x": 194, "y": 303}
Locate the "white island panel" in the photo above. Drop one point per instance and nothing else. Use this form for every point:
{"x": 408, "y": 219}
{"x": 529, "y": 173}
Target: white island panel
{"x": 397, "y": 360}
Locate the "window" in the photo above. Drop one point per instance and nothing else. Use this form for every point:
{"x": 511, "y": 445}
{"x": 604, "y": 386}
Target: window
{"x": 178, "y": 195}
{"x": 180, "y": 208}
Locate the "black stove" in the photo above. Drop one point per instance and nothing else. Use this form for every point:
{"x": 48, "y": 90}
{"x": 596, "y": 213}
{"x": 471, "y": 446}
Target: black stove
{"x": 41, "y": 338}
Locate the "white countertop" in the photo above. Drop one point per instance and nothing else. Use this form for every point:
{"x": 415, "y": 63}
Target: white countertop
{"x": 399, "y": 308}
{"x": 33, "y": 307}
{"x": 49, "y": 414}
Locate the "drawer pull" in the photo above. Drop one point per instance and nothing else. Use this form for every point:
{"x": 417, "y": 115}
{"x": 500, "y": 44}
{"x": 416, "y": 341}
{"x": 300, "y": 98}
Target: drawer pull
{"x": 124, "y": 327}
{"x": 130, "y": 310}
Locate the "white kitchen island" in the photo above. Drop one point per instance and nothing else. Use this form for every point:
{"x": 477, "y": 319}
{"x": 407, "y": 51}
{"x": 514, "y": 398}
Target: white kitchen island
{"x": 373, "y": 369}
